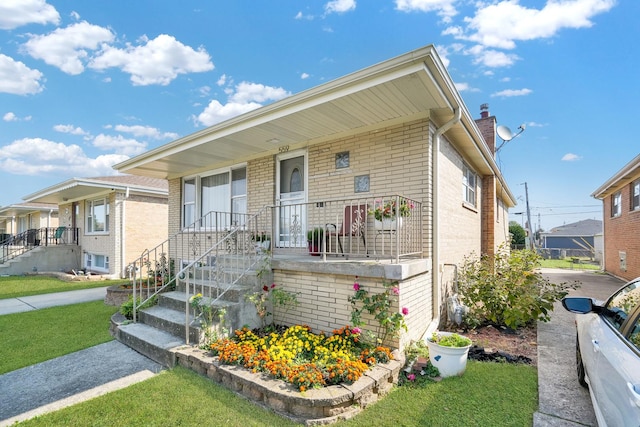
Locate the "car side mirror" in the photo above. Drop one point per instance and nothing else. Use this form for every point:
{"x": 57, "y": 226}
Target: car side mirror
{"x": 579, "y": 305}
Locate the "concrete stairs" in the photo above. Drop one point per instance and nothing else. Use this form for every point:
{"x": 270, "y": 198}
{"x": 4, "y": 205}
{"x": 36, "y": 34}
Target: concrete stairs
{"x": 160, "y": 329}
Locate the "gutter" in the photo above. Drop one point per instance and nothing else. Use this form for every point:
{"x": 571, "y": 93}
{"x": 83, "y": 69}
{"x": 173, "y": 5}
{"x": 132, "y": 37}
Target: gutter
{"x": 435, "y": 153}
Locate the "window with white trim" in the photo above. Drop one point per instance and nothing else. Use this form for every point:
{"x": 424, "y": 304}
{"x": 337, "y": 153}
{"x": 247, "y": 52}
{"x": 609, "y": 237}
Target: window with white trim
{"x": 635, "y": 195}
{"x": 97, "y": 262}
{"x": 469, "y": 180}
{"x": 224, "y": 191}
{"x": 97, "y": 212}
{"x": 616, "y": 204}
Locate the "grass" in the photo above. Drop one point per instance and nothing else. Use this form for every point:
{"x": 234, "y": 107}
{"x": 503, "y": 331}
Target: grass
{"x": 488, "y": 394}
{"x": 568, "y": 263}
{"x": 36, "y": 336}
{"x": 22, "y": 286}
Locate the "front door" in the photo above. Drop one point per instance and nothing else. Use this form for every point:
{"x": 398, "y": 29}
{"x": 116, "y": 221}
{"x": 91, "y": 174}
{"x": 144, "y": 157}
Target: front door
{"x": 290, "y": 198}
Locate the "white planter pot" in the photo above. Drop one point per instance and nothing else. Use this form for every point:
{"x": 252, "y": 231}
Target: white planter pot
{"x": 450, "y": 361}
{"x": 388, "y": 224}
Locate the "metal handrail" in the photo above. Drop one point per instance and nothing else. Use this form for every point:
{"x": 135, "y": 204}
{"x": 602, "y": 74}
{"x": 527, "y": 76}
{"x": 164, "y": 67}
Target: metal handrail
{"x": 28, "y": 240}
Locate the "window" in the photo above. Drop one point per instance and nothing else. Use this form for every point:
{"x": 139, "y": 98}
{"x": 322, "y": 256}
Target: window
{"x": 468, "y": 185}
{"x": 98, "y": 216}
{"x": 622, "y": 304}
{"x": 635, "y": 195}
{"x": 97, "y": 262}
{"x": 616, "y": 204}
{"x": 221, "y": 192}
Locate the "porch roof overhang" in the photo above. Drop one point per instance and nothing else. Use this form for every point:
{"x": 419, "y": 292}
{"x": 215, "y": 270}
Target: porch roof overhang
{"x": 26, "y": 208}
{"x": 412, "y": 86}
{"x": 630, "y": 172}
{"x": 75, "y": 189}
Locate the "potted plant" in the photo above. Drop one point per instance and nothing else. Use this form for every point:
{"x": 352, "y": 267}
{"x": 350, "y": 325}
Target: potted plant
{"x": 448, "y": 352}
{"x": 387, "y": 214}
{"x": 315, "y": 237}
{"x": 261, "y": 241}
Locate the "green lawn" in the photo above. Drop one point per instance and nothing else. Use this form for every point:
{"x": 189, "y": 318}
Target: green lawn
{"x": 570, "y": 263}
{"x": 39, "y": 335}
{"x": 488, "y": 394}
{"x": 22, "y": 286}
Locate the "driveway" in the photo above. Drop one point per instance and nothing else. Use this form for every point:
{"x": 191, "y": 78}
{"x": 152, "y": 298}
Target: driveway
{"x": 562, "y": 401}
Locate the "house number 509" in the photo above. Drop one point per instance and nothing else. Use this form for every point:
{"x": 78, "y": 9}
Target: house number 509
{"x": 283, "y": 149}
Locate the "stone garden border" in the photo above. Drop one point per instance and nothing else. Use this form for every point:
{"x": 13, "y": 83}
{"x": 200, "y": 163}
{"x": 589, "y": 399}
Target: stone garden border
{"x": 312, "y": 407}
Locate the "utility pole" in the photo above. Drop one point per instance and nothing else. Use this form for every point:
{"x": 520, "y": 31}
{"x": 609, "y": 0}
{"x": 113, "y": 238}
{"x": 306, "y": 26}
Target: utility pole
{"x": 530, "y": 240}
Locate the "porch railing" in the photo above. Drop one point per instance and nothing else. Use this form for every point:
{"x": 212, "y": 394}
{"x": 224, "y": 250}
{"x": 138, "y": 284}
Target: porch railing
{"x": 378, "y": 227}
{"x": 197, "y": 246}
{"x": 14, "y": 246}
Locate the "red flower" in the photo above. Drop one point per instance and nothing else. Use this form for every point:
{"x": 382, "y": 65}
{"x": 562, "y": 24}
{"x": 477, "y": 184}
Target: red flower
{"x": 265, "y": 288}
{"x": 405, "y": 311}
{"x": 356, "y": 286}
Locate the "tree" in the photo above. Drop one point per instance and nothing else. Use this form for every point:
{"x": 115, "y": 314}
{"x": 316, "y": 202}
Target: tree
{"x": 518, "y": 234}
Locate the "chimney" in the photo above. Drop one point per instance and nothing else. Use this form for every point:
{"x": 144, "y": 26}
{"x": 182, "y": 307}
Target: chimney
{"x": 484, "y": 111}
{"x": 487, "y": 126}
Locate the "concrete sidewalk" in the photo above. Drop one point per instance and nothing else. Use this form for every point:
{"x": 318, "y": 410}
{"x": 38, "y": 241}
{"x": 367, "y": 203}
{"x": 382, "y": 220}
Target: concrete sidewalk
{"x": 561, "y": 400}
{"x": 35, "y": 302}
{"x": 67, "y": 380}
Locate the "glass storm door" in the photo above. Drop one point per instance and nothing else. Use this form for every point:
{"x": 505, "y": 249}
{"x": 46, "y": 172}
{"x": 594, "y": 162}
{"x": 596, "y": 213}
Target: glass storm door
{"x": 290, "y": 198}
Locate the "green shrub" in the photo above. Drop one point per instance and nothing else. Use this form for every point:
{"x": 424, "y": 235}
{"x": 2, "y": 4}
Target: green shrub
{"x": 506, "y": 290}
{"x": 126, "y": 309}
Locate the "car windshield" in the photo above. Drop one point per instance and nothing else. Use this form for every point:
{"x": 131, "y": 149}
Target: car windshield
{"x": 622, "y": 303}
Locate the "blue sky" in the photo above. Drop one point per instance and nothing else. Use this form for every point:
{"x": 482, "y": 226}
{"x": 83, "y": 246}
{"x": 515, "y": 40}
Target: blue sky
{"x": 85, "y": 85}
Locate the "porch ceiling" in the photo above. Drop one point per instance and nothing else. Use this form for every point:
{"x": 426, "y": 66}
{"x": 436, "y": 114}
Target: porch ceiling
{"x": 399, "y": 90}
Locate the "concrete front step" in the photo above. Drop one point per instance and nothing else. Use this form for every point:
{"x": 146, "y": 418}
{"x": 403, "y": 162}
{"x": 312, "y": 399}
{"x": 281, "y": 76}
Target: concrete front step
{"x": 155, "y": 344}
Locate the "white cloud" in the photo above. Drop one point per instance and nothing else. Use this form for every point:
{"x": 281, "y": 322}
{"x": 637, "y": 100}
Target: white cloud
{"x": 512, "y": 92}
{"x": 444, "y": 8}
{"x": 68, "y": 48}
{"x": 465, "y": 87}
{"x": 36, "y": 156}
{"x": 340, "y": 6}
{"x": 158, "y": 61}
{"x": 16, "y": 13}
{"x": 501, "y": 24}
{"x": 145, "y": 131}
{"x": 242, "y": 99}
{"x": 10, "y": 117}
{"x": 301, "y": 15}
{"x": 70, "y": 129}
{"x": 119, "y": 144}
{"x": 491, "y": 58}
{"x": 304, "y": 76}
{"x": 248, "y": 92}
{"x": 17, "y": 78}
{"x": 222, "y": 80}
{"x": 570, "y": 157}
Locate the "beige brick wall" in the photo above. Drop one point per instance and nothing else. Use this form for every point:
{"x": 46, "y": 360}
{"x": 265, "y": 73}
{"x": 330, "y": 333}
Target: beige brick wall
{"x": 460, "y": 224}
{"x": 146, "y": 226}
{"x": 324, "y": 305}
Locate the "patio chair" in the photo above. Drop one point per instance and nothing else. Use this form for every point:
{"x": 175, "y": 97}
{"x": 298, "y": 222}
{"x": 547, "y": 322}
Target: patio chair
{"x": 59, "y": 234}
{"x": 353, "y": 225}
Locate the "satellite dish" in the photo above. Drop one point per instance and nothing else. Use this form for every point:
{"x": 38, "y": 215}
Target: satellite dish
{"x": 504, "y": 133}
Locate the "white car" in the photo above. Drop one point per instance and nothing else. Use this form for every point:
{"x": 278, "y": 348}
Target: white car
{"x": 608, "y": 353}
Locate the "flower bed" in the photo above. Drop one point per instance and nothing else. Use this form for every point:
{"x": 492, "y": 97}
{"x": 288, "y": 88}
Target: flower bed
{"x": 300, "y": 357}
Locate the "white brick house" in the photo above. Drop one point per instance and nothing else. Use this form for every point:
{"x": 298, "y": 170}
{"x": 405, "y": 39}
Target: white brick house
{"x": 396, "y": 129}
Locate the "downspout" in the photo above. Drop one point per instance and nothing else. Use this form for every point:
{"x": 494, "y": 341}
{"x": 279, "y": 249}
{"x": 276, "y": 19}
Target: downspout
{"x": 435, "y": 213}
{"x": 123, "y": 236}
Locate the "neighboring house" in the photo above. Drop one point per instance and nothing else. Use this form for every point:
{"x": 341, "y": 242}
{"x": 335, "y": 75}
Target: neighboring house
{"x": 108, "y": 222}
{"x": 620, "y": 196}
{"x": 396, "y": 131}
{"x": 21, "y": 217}
{"x": 579, "y": 237}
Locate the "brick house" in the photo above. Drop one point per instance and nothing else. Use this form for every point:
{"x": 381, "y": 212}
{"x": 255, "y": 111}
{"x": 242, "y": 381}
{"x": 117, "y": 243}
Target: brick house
{"x": 396, "y": 132}
{"x": 104, "y": 223}
{"x": 620, "y": 197}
